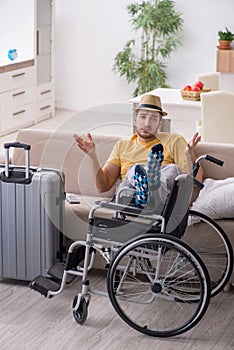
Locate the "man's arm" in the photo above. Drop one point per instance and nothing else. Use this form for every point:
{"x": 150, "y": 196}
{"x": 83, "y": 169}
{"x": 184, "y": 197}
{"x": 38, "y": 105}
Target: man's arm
{"x": 107, "y": 175}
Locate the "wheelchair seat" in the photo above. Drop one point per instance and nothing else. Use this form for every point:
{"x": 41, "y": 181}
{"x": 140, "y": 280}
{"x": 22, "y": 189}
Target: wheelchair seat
{"x": 130, "y": 221}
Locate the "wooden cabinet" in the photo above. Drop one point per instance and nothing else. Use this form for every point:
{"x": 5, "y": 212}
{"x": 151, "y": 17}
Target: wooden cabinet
{"x": 26, "y": 84}
{"x": 225, "y": 61}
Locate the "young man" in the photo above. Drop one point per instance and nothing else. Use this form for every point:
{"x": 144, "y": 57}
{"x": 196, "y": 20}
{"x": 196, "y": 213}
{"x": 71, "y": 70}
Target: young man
{"x": 140, "y": 160}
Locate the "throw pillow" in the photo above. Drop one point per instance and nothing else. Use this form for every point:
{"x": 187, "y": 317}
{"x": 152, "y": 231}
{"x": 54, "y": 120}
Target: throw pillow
{"x": 216, "y": 199}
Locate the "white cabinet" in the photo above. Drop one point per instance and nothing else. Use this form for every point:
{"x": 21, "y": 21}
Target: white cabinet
{"x": 44, "y": 59}
{"x": 26, "y": 84}
{"x": 16, "y": 78}
{"x": 45, "y": 101}
{"x": 17, "y": 98}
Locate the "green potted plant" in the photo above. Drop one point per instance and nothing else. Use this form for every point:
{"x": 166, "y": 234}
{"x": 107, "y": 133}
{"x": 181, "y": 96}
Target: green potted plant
{"x": 225, "y": 38}
{"x": 143, "y": 61}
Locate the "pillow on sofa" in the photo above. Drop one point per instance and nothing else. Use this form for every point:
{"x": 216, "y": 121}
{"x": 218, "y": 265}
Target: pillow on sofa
{"x": 216, "y": 199}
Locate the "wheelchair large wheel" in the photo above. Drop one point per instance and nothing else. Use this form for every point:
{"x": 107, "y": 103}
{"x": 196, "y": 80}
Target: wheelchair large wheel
{"x": 158, "y": 285}
{"x": 209, "y": 240}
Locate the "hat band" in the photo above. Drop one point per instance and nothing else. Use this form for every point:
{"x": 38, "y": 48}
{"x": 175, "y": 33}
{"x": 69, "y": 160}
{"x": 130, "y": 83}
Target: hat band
{"x": 146, "y": 105}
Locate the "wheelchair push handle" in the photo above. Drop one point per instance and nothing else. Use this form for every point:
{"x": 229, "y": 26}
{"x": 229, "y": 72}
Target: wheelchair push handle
{"x": 214, "y": 160}
{"x": 210, "y": 159}
{"x": 196, "y": 165}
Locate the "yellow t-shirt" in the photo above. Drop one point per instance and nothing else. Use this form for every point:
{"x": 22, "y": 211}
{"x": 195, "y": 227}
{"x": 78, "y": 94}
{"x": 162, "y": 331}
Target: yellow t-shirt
{"x": 128, "y": 152}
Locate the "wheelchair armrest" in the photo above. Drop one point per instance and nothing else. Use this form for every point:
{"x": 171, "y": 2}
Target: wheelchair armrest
{"x": 127, "y": 210}
{"x": 119, "y": 207}
{"x": 122, "y": 189}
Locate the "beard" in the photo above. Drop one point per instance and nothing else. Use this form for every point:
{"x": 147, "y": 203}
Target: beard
{"x": 148, "y": 136}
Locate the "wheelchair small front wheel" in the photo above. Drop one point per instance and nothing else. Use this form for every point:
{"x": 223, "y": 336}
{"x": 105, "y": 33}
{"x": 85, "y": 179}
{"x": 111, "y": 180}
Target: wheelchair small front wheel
{"x": 159, "y": 285}
{"x": 81, "y": 314}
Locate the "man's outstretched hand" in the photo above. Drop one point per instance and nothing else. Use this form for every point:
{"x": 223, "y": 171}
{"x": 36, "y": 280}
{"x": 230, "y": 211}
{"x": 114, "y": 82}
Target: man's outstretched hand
{"x": 191, "y": 155}
{"x": 88, "y": 146}
{"x": 193, "y": 142}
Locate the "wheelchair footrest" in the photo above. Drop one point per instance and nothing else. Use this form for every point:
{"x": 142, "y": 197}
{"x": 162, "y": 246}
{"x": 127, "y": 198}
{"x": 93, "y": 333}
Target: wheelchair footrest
{"x": 57, "y": 270}
{"x": 43, "y": 285}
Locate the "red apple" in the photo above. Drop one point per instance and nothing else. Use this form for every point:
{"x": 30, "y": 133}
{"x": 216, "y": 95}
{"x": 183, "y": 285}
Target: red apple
{"x": 195, "y": 88}
{"x": 187, "y": 88}
{"x": 199, "y": 83}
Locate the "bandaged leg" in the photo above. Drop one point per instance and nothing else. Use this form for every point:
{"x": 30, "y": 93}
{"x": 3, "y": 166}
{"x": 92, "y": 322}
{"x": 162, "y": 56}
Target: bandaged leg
{"x": 154, "y": 165}
{"x": 169, "y": 173}
{"x": 141, "y": 185}
{"x": 157, "y": 198}
{"x": 136, "y": 177}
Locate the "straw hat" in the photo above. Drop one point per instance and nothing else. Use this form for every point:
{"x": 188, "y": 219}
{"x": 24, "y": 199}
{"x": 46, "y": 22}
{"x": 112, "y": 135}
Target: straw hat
{"x": 151, "y": 103}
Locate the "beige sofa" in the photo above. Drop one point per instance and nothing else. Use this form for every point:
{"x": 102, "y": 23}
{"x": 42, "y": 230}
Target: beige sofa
{"x": 58, "y": 150}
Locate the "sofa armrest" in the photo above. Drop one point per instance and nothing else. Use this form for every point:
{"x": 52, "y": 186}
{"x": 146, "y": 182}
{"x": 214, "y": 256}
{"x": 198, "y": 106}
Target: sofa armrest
{"x": 222, "y": 151}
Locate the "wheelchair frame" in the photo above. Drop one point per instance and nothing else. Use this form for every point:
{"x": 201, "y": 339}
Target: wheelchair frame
{"x": 141, "y": 253}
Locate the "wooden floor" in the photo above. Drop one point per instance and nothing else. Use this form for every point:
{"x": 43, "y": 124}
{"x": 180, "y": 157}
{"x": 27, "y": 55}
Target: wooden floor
{"x": 30, "y": 321}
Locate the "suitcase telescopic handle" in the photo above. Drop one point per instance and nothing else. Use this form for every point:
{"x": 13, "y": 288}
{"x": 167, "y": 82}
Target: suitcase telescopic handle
{"x": 26, "y": 147}
{"x": 8, "y": 145}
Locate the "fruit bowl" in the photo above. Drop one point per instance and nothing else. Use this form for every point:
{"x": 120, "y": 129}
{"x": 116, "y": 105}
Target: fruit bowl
{"x": 193, "y": 95}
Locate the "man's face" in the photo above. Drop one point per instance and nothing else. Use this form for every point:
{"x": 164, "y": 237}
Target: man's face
{"x": 147, "y": 123}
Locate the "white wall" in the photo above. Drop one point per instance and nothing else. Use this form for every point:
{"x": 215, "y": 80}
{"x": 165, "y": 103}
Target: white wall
{"x": 89, "y": 34}
{"x": 11, "y": 37}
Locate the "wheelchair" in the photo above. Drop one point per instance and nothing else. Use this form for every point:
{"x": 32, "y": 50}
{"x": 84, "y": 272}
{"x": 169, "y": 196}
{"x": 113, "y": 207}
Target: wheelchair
{"x": 158, "y": 283}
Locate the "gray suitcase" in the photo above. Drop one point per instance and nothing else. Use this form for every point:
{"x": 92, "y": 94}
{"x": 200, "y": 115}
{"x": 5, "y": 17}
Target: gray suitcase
{"x": 31, "y": 218}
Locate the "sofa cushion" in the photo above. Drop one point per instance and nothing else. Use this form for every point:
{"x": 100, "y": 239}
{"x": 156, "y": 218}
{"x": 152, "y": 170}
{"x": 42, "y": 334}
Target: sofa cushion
{"x": 216, "y": 199}
{"x": 76, "y": 217}
{"x": 58, "y": 150}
